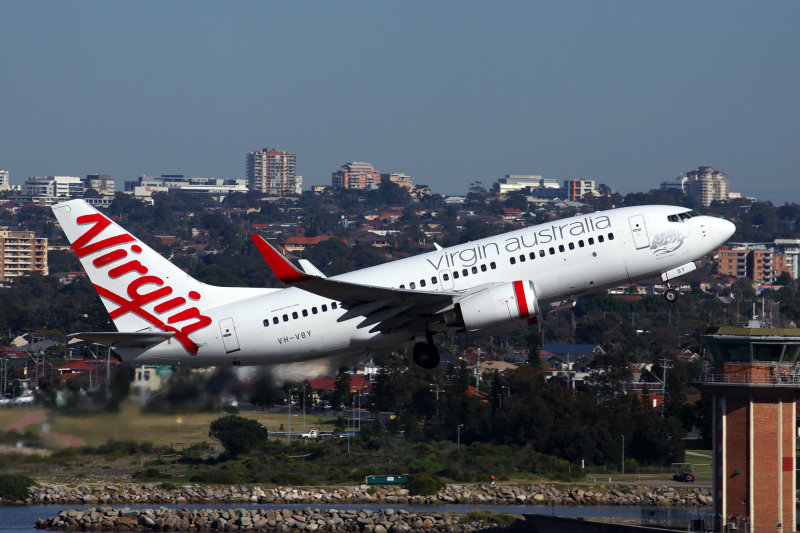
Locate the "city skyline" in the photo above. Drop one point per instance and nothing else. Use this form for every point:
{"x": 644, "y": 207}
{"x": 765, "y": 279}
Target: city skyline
{"x": 447, "y": 94}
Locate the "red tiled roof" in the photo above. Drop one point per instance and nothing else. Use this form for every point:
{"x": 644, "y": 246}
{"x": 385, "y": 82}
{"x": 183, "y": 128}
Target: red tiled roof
{"x": 328, "y": 384}
{"x": 307, "y": 241}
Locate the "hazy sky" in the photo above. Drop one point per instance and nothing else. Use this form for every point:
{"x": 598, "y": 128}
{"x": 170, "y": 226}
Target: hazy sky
{"x": 449, "y": 92}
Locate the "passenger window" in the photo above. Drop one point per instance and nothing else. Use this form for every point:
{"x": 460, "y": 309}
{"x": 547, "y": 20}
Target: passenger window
{"x": 532, "y": 255}
{"x": 286, "y": 318}
{"x": 334, "y": 305}
{"x": 600, "y": 238}
{"x": 412, "y": 285}
{"x": 474, "y": 270}
{"x": 275, "y": 320}
{"x": 580, "y": 243}
{"x": 552, "y": 251}
{"x": 591, "y": 240}
{"x": 313, "y": 310}
{"x": 422, "y": 283}
{"x": 445, "y": 276}
{"x": 324, "y": 308}
{"x": 522, "y": 258}
{"x": 434, "y": 280}
{"x": 572, "y": 246}
{"x": 464, "y": 272}
{"x": 455, "y": 274}
{"x": 402, "y": 286}
{"x": 295, "y": 315}
{"x": 305, "y": 312}
{"x": 560, "y": 247}
{"x": 483, "y": 268}
{"x": 513, "y": 260}
{"x": 492, "y": 265}
{"x": 266, "y": 322}
{"x": 610, "y": 236}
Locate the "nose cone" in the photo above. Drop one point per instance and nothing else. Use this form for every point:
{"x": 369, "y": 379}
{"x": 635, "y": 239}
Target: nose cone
{"x": 722, "y": 230}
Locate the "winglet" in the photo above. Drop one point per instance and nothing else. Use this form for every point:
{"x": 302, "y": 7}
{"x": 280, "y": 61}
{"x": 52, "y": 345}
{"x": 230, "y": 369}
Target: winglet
{"x": 281, "y": 267}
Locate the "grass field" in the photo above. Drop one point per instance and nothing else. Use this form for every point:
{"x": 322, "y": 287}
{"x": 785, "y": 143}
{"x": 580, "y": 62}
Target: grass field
{"x": 162, "y": 430}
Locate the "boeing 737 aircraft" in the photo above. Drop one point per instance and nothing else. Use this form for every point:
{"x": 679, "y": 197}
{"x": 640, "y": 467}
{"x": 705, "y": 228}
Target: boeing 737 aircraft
{"x": 164, "y": 316}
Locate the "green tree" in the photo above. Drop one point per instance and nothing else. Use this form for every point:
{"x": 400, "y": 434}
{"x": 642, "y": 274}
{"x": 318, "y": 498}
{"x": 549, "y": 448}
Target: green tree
{"x": 238, "y": 435}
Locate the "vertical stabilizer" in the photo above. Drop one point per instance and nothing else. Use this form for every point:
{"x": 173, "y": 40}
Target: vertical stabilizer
{"x": 140, "y": 289}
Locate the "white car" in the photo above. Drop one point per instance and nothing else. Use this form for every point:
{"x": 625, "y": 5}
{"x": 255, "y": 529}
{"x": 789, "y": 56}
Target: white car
{"x": 25, "y": 399}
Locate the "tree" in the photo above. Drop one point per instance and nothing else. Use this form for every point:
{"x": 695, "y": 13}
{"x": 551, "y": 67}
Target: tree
{"x": 341, "y": 389}
{"x": 238, "y": 435}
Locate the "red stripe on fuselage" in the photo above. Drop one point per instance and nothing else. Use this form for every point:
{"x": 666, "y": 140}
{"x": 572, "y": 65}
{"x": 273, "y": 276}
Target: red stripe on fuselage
{"x": 522, "y": 303}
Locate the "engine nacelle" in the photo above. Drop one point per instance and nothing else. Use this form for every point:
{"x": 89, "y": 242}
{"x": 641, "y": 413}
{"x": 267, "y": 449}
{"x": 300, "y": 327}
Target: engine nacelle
{"x": 495, "y": 306}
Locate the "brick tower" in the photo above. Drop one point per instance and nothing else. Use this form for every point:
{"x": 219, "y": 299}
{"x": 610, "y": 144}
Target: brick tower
{"x": 755, "y": 385}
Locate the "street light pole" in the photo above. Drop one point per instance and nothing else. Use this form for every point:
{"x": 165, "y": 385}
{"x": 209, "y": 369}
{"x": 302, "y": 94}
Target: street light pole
{"x": 623, "y": 454}
{"x": 458, "y": 431}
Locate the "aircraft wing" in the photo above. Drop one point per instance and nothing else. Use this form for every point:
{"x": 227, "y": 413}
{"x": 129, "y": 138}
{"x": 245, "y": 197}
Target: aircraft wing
{"x": 125, "y": 339}
{"x": 379, "y": 304}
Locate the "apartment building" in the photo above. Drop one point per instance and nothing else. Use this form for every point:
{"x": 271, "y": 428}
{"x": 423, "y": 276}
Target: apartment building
{"x": 273, "y": 172}
{"x": 401, "y": 180}
{"x": 21, "y": 253}
{"x": 576, "y": 189}
{"x": 356, "y": 175}
{"x": 746, "y": 260}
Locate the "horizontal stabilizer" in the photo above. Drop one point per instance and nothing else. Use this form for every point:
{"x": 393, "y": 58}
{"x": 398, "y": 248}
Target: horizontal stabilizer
{"x": 125, "y": 339}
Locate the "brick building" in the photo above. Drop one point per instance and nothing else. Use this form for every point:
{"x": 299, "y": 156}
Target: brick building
{"x": 356, "y": 175}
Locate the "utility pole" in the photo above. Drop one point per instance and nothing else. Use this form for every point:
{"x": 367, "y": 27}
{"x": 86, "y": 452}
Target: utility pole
{"x": 436, "y": 390}
{"x": 665, "y": 364}
{"x": 478, "y": 374}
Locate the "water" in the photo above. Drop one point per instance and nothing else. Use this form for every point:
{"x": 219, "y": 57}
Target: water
{"x": 22, "y": 519}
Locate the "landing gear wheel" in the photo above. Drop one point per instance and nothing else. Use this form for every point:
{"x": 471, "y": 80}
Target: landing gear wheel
{"x": 671, "y": 295}
{"x": 426, "y": 355}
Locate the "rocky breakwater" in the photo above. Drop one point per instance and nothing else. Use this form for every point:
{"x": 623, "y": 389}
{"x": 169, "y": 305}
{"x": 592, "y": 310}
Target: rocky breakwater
{"x": 286, "y": 520}
{"x": 501, "y": 494}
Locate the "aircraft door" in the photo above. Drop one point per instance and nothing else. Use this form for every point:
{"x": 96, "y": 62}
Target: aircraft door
{"x": 446, "y": 279}
{"x": 639, "y": 232}
{"x": 229, "y": 338}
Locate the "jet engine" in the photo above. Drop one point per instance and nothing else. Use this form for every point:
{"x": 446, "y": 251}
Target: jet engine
{"x": 494, "y": 306}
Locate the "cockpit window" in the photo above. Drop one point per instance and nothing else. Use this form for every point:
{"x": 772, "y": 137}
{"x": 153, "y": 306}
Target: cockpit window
{"x": 680, "y": 217}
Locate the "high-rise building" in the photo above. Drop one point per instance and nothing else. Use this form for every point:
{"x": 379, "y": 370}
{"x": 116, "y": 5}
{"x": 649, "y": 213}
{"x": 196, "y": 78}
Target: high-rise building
{"x": 706, "y": 185}
{"x": 577, "y": 189}
{"x": 356, "y": 175}
{"x": 273, "y": 172}
{"x": 5, "y": 183}
{"x": 21, "y": 253}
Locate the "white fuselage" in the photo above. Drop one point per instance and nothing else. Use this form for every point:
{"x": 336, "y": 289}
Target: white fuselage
{"x": 563, "y": 258}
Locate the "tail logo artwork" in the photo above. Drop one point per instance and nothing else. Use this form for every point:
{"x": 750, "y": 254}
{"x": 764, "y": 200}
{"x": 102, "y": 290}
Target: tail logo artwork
{"x": 118, "y": 248}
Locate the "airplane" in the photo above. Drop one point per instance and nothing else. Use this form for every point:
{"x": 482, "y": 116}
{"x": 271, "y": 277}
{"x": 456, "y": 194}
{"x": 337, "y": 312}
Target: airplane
{"x": 483, "y": 287}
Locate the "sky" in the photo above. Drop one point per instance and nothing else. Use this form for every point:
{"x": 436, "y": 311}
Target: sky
{"x": 450, "y": 92}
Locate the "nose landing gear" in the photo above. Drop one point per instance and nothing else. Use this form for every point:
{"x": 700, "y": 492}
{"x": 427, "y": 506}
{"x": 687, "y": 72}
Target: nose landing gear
{"x": 670, "y": 295}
